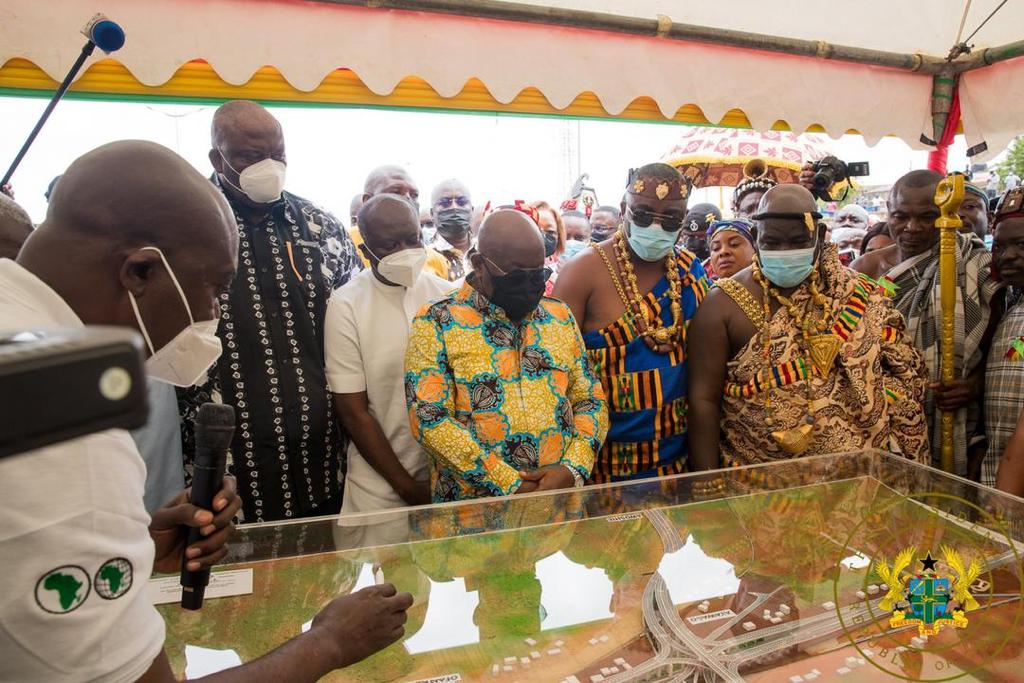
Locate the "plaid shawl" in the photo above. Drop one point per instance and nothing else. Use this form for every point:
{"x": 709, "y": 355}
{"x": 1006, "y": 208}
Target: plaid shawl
{"x": 917, "y": 297}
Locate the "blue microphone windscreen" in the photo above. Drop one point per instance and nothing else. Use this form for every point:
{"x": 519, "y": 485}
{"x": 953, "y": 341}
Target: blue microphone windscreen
{"x": 107, "y": 35}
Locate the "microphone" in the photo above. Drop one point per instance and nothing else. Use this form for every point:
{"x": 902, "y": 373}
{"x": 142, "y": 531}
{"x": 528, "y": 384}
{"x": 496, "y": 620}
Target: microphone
{"x": 102, "y": 33}
{"x": 214, "y": 428}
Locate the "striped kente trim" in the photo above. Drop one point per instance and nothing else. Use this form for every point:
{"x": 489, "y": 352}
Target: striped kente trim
{"x": 849, "y": 318}
{"x": 773, "y": 378}
{"x": 891, "y": 334}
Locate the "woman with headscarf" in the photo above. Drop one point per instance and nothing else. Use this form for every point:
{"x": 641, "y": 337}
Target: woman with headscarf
{"x": 732, "y": 247}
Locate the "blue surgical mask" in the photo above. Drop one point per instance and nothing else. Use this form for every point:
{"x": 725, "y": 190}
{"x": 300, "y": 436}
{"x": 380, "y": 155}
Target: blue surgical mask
{"x": 787, "y": 268}
{"x": 572, "y": 247}
{"x": 651, "y": 243}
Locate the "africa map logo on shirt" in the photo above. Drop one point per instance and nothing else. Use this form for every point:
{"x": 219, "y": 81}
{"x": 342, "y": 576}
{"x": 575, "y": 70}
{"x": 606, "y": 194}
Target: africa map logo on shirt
{"x": 114, "y": 578}
{"x": 63, "y": 589}
{"x": 928, "y": 599}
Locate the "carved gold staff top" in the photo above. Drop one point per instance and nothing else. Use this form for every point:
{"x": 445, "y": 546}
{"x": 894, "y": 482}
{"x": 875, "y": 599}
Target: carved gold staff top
{"x": 948, "y": 196}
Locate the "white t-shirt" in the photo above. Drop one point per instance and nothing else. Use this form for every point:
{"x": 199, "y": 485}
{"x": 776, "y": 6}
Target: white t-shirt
{"x": 75, "y": 551}
{"x": 365, "y": 336}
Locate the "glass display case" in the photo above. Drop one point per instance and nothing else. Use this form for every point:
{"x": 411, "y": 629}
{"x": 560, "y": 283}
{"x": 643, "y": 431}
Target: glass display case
{"x": 851, "y": 567}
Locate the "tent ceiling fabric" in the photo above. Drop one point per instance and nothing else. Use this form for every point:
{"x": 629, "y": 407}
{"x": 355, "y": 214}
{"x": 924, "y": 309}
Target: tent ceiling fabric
{"x": 308, "y": 41}
{"x": 926, "y": 26}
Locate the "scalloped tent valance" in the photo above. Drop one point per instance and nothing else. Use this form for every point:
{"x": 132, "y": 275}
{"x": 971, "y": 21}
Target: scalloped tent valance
{"x": 326, "y": 52}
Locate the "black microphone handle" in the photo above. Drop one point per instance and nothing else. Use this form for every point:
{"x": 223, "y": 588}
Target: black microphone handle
{"x": 207, "y": 480}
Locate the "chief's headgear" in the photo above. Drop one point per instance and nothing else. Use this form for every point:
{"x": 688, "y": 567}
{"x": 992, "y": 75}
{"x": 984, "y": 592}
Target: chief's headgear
{"x": 1011, "y": 205}
{"x": 755, "y": 179}
{"x": 652, "y": 186}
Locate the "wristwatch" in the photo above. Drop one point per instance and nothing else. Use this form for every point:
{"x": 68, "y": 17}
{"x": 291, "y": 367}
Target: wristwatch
{"x": 577, "y": 478}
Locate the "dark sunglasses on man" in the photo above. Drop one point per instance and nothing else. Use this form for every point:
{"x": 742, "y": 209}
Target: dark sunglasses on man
{"x": 644, "y": 218}
{"x": 532, "y": 275}
{"x": 447, "y": 202}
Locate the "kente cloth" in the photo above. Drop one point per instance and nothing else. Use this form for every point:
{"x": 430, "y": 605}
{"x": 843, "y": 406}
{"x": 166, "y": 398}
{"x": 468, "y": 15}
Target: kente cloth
{"x": 646, "y": 390}
{"x": 917, "y": 296}
{"x": 489, "y": 397}
{"x": 1004, "y": 384}
{"x": 870, "y": 398}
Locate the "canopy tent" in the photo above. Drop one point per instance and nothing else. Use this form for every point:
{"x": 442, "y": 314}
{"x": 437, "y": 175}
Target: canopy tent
{"x": 780, "y": 65}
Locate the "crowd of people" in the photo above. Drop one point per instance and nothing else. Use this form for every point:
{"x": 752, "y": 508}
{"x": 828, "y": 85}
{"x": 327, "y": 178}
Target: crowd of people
{"x": 442, "y": 352}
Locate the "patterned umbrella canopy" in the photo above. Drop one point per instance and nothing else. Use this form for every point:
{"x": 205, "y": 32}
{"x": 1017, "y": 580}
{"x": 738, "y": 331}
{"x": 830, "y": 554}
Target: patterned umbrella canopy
{"x": 715, "y": 157}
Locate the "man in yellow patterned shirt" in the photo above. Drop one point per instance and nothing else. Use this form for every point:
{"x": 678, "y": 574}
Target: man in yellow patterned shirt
{"x": 500, "y": 393}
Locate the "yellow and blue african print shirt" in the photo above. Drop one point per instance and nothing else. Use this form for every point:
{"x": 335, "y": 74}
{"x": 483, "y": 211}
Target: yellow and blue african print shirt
{"x": 489, "y": 398}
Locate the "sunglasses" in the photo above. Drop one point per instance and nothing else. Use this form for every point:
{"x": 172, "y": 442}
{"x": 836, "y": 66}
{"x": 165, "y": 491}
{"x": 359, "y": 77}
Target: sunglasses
{"x": 643, "y": 219}
{"x": 534, "y": 275}
{"x": 447, "y": 202}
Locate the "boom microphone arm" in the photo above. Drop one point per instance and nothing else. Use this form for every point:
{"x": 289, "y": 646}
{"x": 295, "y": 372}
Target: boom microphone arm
{"x": 102, "y": 33}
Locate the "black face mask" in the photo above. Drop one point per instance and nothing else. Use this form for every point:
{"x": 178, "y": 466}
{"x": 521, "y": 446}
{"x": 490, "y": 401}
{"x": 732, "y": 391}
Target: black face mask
{"x": 453, "y": 223}
{"x": 550, "y": 242}
{"x": 697, "y": 244}
{"x": 518, "y": 293}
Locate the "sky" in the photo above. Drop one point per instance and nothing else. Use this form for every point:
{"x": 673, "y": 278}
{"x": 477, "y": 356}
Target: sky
{"x": 330, "y": 151}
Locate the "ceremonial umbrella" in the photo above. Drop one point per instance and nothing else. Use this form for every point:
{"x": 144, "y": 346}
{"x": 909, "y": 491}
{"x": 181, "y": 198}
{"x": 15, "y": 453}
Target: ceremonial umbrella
{"x": 716, "y": 157}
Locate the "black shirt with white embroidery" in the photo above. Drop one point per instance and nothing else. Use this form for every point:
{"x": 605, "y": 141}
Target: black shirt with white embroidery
{"x": 288, "y": 448}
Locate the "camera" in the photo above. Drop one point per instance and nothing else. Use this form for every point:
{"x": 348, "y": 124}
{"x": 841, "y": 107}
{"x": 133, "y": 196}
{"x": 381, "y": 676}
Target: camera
{"x": 57, "y": 385}
{"x": 831, "y": 170}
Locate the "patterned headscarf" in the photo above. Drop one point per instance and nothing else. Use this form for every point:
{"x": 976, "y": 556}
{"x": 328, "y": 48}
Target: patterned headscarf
{"x": 970, "y": 187}
{"x": 738, "y": 225}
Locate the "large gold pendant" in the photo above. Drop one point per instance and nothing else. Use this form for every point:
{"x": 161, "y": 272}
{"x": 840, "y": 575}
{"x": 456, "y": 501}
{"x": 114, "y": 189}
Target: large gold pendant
{"x": 824, "y": 348}
{"x": 663, "y": 335}
{"x": 794, "y": 441}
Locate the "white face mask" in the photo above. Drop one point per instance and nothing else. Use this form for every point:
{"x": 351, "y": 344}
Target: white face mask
{"x": 402, "y": 267}
{"x": 184, "y": 360}
{"x": 262, "y": 182}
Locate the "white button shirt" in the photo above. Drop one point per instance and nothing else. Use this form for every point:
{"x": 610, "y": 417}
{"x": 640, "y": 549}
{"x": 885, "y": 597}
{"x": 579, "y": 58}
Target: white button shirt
{"x": 365, "y": 336}
{"x": 75, "y": 550}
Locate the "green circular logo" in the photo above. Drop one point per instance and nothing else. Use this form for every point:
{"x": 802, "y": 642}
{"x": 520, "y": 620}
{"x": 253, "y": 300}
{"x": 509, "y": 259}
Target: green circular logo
{"x": 63, "y": 589}
{"x": 114, "y": 578}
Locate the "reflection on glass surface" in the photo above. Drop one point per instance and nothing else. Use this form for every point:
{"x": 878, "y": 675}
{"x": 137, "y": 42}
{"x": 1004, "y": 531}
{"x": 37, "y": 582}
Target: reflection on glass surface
{"x": 692, "y": 576}
{"x": 572, "y": 594}
{"x": 769, "y": 581}
{"x": 856, "y": 561}
{"x": 201, "y": 661}
{"x": 449, "y": 620}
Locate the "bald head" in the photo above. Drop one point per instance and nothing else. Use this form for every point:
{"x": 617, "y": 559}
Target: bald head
{"x": 391, "y": 180}
{"x": 788, "y": 198}
{"x": 384, "y": 210}
{"x": 509, "y": 241}
{"x": 242, "y": 118}
{"x": 510, "y": 237}
{"x": 134, "y": 192}
{"x": 453, "y": 188}
{"x": 111, "y": 207}
{"x": 15, "y": 227}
